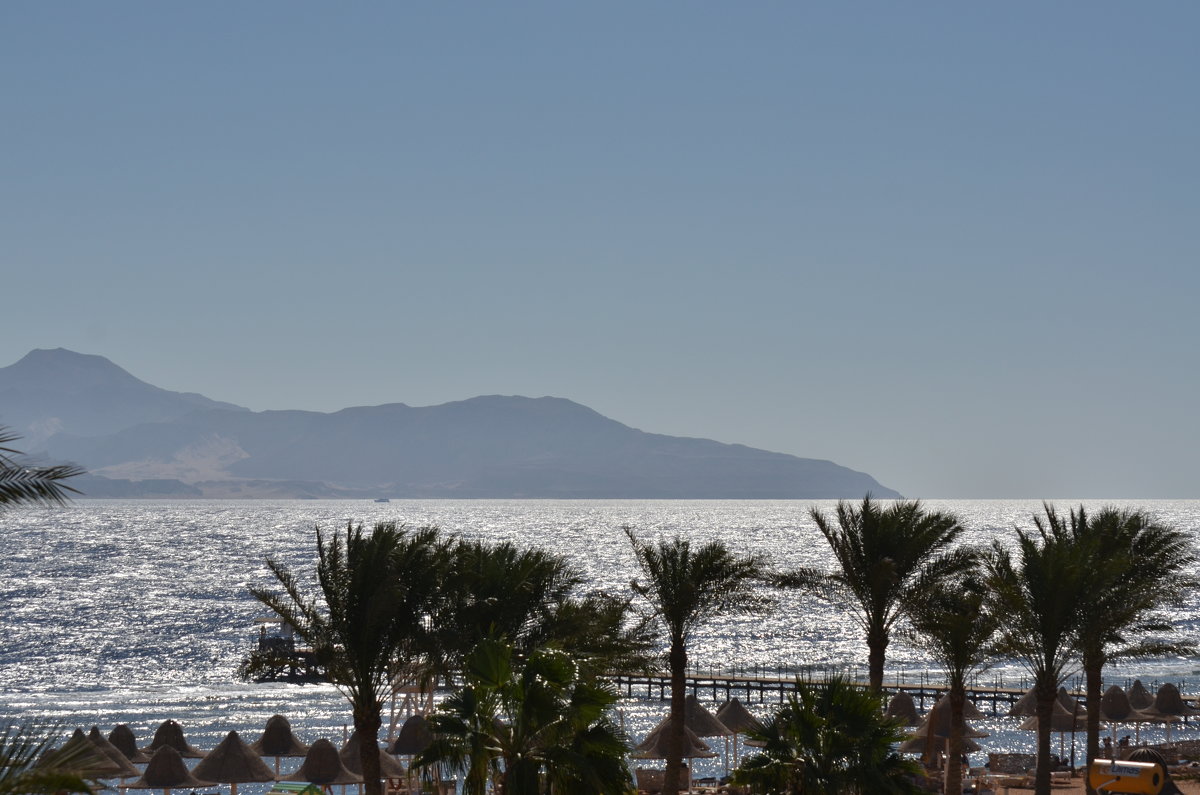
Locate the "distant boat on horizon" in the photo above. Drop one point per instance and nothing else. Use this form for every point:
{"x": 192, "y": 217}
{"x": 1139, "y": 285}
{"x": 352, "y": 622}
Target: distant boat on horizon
{"x": 382, "y": 499}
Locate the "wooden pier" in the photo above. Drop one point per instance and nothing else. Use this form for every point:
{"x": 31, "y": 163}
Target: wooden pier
{"x": 768, "y": 686}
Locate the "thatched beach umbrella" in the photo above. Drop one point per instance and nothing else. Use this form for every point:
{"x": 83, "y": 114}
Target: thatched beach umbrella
{"x": 278, "y": 741}
{"x": 901, "y": 707}
{"x": 171, "y": 733}
{"x": 90, "y": 758}
{"x": 1139, "y": 696}
{"x": 1027, "y": 704}
{"x": 323, "y": 766}
{"x": 934, "y": 729}
{"x": 697, "y": 718}
{"x": 738, "y": 719}
{"x": 123, "y": 740}
{"x": 917, "y": 745}
{"x": 112, "y": 752}
{"x": 233, "y": 762}
{"x": 1062, "y": 721}
{"x": 655, "y": 746}
{"x": 1115, "y": 708}
{"x": 414, "y": 737}
{"x": 1168, "y": 706}
{"x": 734, "y": 715}
{"x": 388, "y": 766}
{"x": 167, "y": 771}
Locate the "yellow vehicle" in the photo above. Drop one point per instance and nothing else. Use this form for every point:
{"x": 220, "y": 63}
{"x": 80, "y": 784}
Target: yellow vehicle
{"x": 1114, "y": 776}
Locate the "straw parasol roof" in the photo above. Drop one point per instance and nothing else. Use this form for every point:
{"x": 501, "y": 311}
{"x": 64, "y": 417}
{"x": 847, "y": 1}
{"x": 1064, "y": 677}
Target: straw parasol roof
{"x": 323, "y": 766}
{"x": 919, "y": 745}
{"x": 1168, "y": 706}
{"x": 277, "y": 739}
{"x": 1115, "y": 706}
{"x": 903, "y": 708}
{"x": 1139, "y": 696}
{"x": 351, "y": 758}
{"x": 941, "y": 713}
{"x": 935, "y": 730}
{"x": 736, "y": 717}
{"x": 89, "y": 757}
{"x": 1069, "y": 703}
{"x": 167, "y": 771}
{"x": 112, "y": 752}
{"x": 1168, "y": 703}
{"x": 1027, "y": 704}
{"x": 1061, "y": 720}
{"x": 701, "y": 721}
{"x": 654, "y": 746}
{"x": 123, "y": 740}
{"x": 939, "y": 727}
{"x": 414, "y": 737}
{"x": 171, "y": 733}
{"x": 233, "y": 762}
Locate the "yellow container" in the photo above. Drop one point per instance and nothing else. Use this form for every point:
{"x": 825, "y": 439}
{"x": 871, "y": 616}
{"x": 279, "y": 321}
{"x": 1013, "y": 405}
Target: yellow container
{"x": 1110, "y": 776}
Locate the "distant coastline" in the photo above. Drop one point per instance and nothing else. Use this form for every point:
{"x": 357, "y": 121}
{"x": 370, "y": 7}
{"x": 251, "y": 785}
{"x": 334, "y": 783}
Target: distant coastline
{"x": 140, "y": 441}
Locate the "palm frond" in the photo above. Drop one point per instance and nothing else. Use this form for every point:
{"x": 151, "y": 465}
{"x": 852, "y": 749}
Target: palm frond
{"x": 28, "y": 484}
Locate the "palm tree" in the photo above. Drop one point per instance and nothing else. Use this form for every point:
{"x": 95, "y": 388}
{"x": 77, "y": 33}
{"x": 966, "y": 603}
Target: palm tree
{"x": 25, "y": 767}
{"x": 1038, "y": 599}
{"x": 530, "y": 599}
{"x": 366, "y": 621}
{"x": 882, "y": 552}
{"x": 1140, "y": 569}
{"x": 829, "y": 738}
{"x": 21, "y": 484}
{"x": 537, "y": 722}
{"x": 684, "y": 588}
{"x": 950, "y": 620}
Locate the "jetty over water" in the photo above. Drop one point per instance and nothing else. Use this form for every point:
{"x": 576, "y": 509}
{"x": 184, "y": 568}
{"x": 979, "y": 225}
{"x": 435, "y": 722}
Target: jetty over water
{"x": 767, "y": 685}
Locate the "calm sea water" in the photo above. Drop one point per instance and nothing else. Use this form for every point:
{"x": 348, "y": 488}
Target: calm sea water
{"x": 135, "y": 612}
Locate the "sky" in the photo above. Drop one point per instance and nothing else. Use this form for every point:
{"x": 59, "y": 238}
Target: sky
{"x": 953, "y": 245}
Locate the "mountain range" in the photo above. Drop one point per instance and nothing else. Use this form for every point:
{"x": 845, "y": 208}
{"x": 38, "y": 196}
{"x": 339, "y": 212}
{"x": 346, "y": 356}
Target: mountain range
{"x": 138, "y": 440}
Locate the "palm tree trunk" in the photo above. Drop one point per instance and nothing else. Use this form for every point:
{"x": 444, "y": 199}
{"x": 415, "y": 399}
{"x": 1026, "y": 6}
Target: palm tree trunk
{"x": 1046, "y": 695}
{"x": 675, "y": 736}
{"x": 877, "y": 642}
{"x": 367, "y": 724}
{"x": 1092, "y": 675}
{"x": 954, "y": 749}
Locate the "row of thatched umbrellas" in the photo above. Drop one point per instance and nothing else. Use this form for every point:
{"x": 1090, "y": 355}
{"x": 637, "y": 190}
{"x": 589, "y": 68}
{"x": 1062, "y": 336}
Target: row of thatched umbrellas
{"x": 233, "y": 761}
{"x": 1137, "y": 706}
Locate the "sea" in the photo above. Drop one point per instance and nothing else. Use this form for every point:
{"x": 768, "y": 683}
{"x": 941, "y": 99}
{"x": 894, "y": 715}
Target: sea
{"x": 139, "y": 611}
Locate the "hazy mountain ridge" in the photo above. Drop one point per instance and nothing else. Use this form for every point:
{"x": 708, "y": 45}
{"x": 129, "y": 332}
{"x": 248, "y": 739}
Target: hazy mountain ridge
{"x": 57, "y": 391}
{"x": 484, "y": 447}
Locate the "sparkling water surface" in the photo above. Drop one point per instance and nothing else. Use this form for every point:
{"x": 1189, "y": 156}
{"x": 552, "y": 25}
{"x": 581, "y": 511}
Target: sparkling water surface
{"x": 138, "y": 611}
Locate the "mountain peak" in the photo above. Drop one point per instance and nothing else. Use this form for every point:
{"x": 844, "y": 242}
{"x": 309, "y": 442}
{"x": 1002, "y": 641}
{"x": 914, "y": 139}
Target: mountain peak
{"x": 51, "y": 391}
{"x": 65, "y": 369}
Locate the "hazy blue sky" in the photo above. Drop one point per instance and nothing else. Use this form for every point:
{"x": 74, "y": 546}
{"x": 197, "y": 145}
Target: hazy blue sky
{"x": 954, "y": 245}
